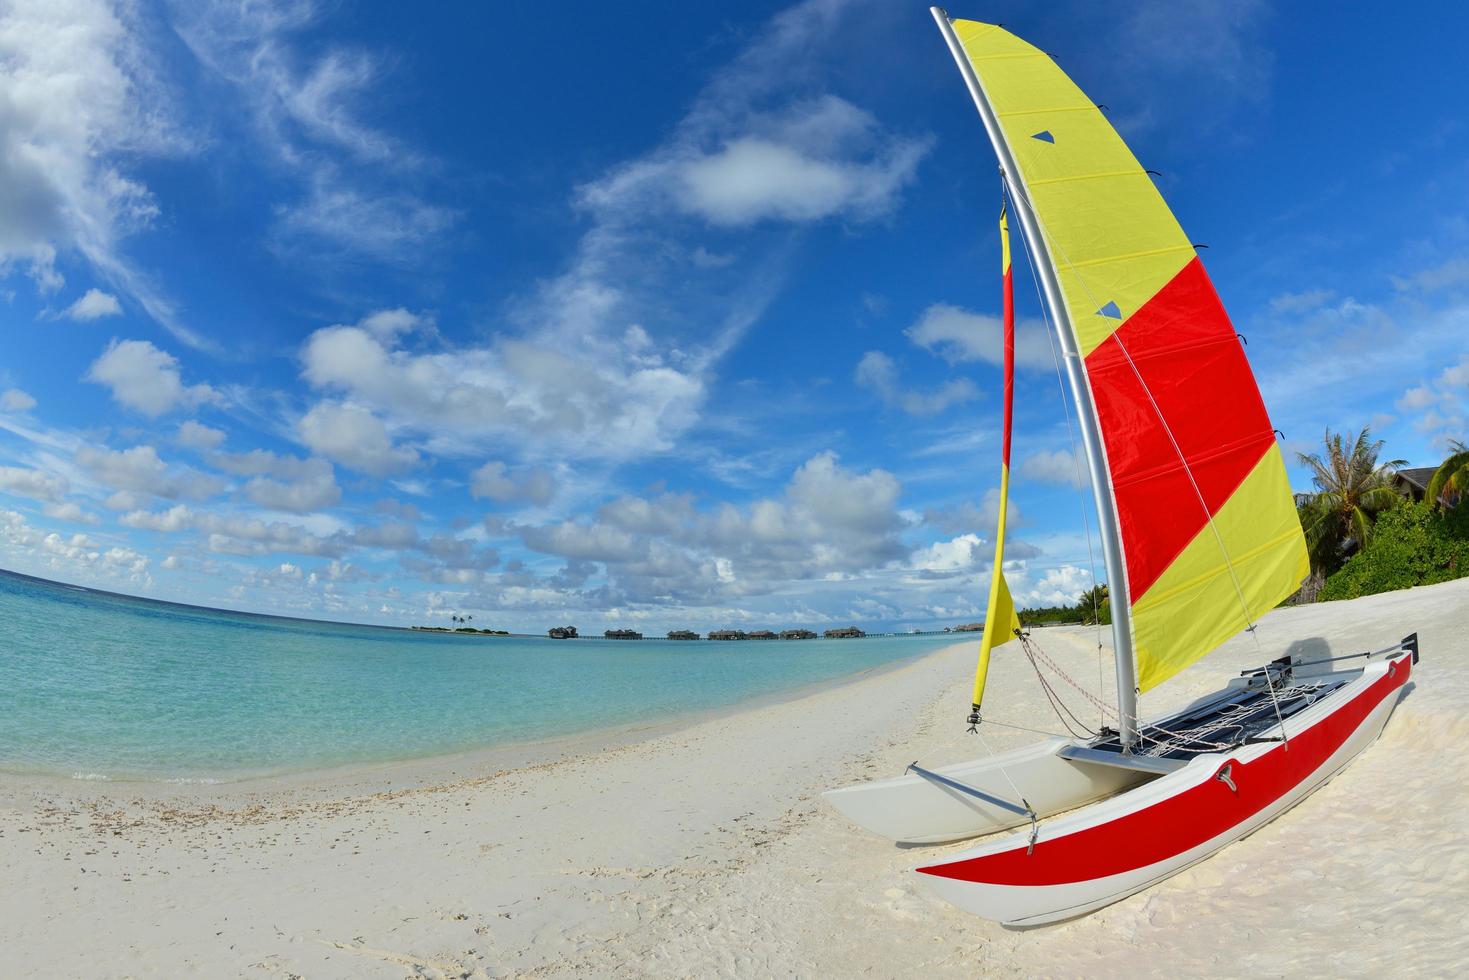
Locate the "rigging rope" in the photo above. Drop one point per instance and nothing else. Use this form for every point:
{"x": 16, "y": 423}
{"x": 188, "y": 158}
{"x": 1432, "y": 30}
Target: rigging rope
{"x": 1187, "y": 740}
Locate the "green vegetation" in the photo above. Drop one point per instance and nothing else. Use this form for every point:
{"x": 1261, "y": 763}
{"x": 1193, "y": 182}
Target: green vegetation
{"x": 1367, "y": 534}
{"x": 1414, "y": 544}
{"x": 1092, "y": 606}
{"x": 1451, "y": 480}
{"x": 1352, "y": 490}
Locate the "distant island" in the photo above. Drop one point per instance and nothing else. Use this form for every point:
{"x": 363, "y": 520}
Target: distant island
{"x": 572, "y": 633}
{"x": 459, "y": 629}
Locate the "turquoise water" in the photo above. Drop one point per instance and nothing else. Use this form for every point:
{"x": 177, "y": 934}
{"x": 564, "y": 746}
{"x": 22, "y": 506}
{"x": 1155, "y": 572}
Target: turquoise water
{"x": 100, "y": 686}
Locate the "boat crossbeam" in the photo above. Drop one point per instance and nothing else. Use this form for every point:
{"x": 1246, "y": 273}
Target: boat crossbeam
{"x": 1119, "y": 760}
{"x": 931, "y": 776}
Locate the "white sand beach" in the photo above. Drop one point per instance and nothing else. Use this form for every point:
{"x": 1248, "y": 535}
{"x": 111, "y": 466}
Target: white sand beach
{"x": 705, "y": 850}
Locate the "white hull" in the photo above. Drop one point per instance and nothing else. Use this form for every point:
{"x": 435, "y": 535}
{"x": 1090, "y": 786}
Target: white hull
{"x": 914, "y": 810}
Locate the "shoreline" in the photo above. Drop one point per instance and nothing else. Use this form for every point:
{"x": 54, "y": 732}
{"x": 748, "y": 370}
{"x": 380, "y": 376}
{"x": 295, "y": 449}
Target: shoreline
{"x": 427, "y": 771}
{"x": 706, "y": 849}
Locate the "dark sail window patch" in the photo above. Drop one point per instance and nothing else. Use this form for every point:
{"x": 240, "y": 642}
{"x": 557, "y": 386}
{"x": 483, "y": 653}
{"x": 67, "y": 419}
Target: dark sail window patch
{"x": 1110, "y": 310}
{"x": 1044, "y": 136}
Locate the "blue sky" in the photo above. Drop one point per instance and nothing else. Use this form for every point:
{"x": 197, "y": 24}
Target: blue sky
{"x": 647, "y": 315}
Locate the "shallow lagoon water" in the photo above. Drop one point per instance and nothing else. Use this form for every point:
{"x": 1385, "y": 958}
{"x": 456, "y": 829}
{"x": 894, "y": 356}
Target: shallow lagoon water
{"x": 100, "y": 686}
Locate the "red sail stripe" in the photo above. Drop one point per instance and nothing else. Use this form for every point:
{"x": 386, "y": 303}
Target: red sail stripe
{"x": 1184, "y": 348}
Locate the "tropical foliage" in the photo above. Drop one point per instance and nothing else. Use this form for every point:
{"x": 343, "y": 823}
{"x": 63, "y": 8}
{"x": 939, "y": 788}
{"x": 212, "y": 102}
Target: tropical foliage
{"x": 1412, "y": 545}
{"x": 1091, "y": 607}
{"x": 1451, "y": 479}
{"x": 1352, "y": 489}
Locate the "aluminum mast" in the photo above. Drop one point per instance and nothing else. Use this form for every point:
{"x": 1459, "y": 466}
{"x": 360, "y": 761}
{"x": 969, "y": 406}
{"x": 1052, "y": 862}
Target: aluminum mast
{"x": 1091, "y": 437}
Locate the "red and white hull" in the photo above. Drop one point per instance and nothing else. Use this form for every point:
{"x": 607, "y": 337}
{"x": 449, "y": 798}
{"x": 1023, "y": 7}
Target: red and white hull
{"x": 1105, "y": 852}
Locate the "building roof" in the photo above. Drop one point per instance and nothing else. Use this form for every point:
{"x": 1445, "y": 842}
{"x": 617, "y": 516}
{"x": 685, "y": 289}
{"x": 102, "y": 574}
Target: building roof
{"x": 1419, "y": 476}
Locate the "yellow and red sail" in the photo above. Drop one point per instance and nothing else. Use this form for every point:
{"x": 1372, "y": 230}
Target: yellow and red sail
{"x": 1208, "y": 527}
{"x": 1001, "y": 624}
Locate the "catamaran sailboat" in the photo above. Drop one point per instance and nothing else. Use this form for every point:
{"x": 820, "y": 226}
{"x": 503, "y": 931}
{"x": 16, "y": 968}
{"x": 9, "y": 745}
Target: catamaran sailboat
{"x": 1199, "y": 537}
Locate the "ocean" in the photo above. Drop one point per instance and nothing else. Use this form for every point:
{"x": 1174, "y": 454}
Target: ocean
{"x": 95, "y": 685}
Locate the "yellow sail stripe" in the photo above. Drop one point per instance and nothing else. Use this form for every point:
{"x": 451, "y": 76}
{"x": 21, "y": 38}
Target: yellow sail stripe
{"x": 1127, "y": 239}
{"x": 1004, "y": 242}
{"x": 1262, "y": 536}
{"x": 1000, "y": 620}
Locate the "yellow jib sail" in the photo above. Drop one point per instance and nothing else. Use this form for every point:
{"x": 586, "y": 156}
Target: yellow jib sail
{"x": 1001, "y": 624}
{"x": 1208, "y": 530}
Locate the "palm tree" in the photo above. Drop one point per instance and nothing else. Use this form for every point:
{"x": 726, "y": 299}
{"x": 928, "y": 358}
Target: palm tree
{"x": 1093, "y": 605}
{"x": 1451, "y": 479}
{"x": 1352, "y": 488}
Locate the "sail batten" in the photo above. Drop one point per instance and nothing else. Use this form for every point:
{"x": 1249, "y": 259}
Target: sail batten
{"x": 1187, "y": 465}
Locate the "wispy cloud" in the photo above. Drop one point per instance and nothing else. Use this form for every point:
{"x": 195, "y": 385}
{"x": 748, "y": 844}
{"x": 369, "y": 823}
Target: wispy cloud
{"x": 959, "y": 335}
{"x": 879, "y": 373}
{"x": 357, "y": 192}
{"x": 84, "y": 97}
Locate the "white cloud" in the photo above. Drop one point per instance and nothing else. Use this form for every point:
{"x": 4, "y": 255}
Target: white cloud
{"x": 622, "y": 402}
{"x": 878, "y": 373}
{"x": 299, "y": 497}
{"x": 69, "y": 511}
{"x": 195, "y": 435}
{"x": 820, "y": 159}
{"x": 492, "y": 480}
{"x": 387, "y": 325}
{"x": 15, "y": 400}
{"x": 1057, "y": 587}
{"x": 1440, "y": 408}
{"x": 829, "y": 524}
{"x": 982, "y": 518}
{"x": 1450, "y": 274}
{"x": 139, "y": 472}
{"x": 965, "y": 553}
{"x": 303, "y": 486}
{"x": 959, "y": 335}
{"x": 146, "y": 379}
{"x": 32, "y": 483}
{"x": 82, "y": 97}
{"x": 354, "y": 437}
{"x": 93, "y": 305}
{"x": 1058, "y": 466}
{"x": 176, "y": 518}
{"x": 1310, "y": 299}
{"x": 74, "y": 558}
{"x": 237, "y": 534}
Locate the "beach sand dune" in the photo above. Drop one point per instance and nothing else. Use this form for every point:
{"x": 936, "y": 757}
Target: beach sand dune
{"x": 706, "y": 851}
